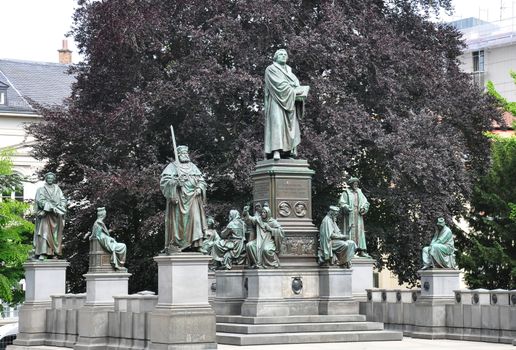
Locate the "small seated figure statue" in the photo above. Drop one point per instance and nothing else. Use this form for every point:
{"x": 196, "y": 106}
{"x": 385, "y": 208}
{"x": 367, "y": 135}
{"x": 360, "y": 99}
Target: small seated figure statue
{"x": 441, "y": 251}
{"x": 334, "y": 248}
{"x": 263, "y": 251}
{"x": 210, "y": 237}
{"x": 230, "y": 248}
{"x": 100, "y": 232}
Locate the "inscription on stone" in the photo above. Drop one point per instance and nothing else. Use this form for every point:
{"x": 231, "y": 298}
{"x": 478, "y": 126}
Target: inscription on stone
{"x": 292, "y": 188}
{"x": 261, "y": 190}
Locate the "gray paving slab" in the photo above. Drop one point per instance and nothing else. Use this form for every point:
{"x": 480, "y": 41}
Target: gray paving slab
{"x": 406, "y": 343}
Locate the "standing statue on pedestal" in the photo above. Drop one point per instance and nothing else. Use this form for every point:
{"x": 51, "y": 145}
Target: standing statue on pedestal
{"x": 441, "y": 252}
{"x": 230, "y": 249}
{"x": 210, "y": 237}
{"x": 263, "y": 251}
{"x": 354, "y": 205}
{"x": 334, "y": 247}
{"x": 50, "y": 209}
{"x": 184, "y": 187}
{"x": 100, "y": 232}
{"x": 284, "y": 104}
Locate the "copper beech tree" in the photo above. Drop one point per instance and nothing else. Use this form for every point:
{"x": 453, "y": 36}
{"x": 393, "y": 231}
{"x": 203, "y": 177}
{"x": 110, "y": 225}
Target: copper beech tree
{"x": 387, "y": 104}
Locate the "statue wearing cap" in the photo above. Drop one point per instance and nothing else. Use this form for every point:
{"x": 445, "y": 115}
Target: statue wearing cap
{"x": 334, "y": 247}
{"x": 441, "y": 251}
{"x": 50, "y": 210}
{"x": 354, "y": 205}
{"x": 184, "y": 187}
{"x": 100, "y": 232}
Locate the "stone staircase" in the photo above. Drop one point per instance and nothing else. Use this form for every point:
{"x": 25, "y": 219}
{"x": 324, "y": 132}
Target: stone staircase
{"x": 241, "y": 330}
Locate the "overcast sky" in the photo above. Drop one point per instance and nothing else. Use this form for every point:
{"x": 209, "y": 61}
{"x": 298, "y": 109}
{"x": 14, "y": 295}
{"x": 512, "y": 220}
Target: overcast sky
{"x": 33, "y": 29}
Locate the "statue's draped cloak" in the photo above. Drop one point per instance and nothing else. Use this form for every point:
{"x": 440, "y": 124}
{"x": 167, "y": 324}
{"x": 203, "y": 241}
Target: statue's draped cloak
{"x": 48, "y": 234}
{"x": 231, "y": 246}
{"x": 333, "y": 247}
{"x": 185, "y": 220}
{"x": 354, "y": 201}
{"x": 281, "y": 109}
{"x": 110, "y": 245}
{"x": 263, "y": 251}
{"x": 441, "y": 252}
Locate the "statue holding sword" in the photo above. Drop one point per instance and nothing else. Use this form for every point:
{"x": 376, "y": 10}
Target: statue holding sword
{"x": 184, "y": 187}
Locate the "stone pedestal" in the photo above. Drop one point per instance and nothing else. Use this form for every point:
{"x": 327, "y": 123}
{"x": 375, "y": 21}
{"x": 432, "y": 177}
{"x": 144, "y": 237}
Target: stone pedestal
{"x": 362, "y": 278}
{"x": 265, "y": 294}
{"x": 286, "y": 185}
{"x": 336, "y": 292}
{"x": 231, "y": 292}
{"x": 183, "y": 318}
{"x": 439, "y": 284}
{"x": 93, "y": 317}
{"x": 438, "y": 288}
{"x": 43, "y": 279}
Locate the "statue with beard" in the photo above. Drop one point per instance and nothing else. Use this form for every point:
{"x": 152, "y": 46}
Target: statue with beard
{"x": 184, "y": 187}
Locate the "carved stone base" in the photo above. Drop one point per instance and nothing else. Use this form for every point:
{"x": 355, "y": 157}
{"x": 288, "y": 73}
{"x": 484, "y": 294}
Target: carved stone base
{"x": 43, "y": 279}
{"x": 183, "y": 318}
{"x": 439, "y": 284}
{"x": 362, "y": 277}
{"x": 286, "y": 185}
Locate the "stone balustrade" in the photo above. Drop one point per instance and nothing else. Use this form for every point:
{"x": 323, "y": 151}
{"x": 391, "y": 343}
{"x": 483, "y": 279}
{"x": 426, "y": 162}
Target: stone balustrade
{"x": 475, "y": 315}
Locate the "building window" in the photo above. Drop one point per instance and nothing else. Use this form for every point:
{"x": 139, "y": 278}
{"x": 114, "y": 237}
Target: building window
{"x": 2, "y": 98}
{"x": 478, "y": 61}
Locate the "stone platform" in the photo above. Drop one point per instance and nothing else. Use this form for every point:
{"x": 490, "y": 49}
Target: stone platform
{"x": 240, "y": 330}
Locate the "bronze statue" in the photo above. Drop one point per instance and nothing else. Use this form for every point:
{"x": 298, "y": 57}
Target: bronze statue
{"x": 184, "y": 187}
{"x": 284, "y": 104}
{"x": 263, "y": 251}
{"x": 100, "y": 232}
{"x": 50, "y": 210}
{"x": 334, "y": 247}
{"x": 441, "y": 251}
{"x": 230, "y": 248}
{"x": 354, "y": 205}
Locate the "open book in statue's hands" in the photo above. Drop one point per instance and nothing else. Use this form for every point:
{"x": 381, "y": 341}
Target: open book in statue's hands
{"x": 302, "y": 92}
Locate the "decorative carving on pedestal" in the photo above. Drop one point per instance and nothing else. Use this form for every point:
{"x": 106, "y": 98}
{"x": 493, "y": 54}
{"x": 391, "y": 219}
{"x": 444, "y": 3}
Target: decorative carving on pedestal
{"x": 300, "y": 209}
{"x": 284, "y": 209}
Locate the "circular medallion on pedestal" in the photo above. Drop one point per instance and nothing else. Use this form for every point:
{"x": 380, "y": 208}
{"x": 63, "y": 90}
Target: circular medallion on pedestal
{"x": 414, "y": 296}
{"x": 369, "y": 295}
{"x": 475, "y": 298}
{"x": 513, "y": 299}
{"x": 284, "y": 209}
{"x": 300, "y": 209}
{"x": 494, "y": 299}
{"x": 297, "y": 285}
{"x": 398, "y": 296}
{"x": 426, "y": 286}
{"x": 458, "y": 297}
{"x": 384, "y": 296}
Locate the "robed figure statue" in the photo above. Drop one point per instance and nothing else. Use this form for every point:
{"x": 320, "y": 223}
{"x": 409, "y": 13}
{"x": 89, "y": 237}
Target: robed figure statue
{"x": 284, "y": 104}
{"x": 230, "y": 248}
{"x": 334, "y": 247}
{"x": 50, "y": 209}
{"x": 100, "y": 232}
{"x": 354, "y": 205}
{"x": 441, "y": 251}
{"x": 184, "y": 187}
{"x": 263, "y": 251}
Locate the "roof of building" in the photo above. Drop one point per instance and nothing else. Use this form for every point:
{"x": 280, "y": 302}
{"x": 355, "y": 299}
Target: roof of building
{"x": 45, "y": 83}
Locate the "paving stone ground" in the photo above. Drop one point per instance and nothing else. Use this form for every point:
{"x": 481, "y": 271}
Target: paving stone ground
{"x": 406, "y": 343}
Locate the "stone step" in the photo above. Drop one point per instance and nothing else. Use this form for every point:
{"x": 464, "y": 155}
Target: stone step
{"x": 290, "y": 319}
{"x": 298, "y": 327}
{"x": 309, "y": 337}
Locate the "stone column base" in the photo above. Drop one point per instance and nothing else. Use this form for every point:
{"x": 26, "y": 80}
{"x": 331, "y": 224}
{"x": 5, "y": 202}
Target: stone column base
{"x": 183, "y": 318}
{"x": 231, "y": 292}
{"x": 101, "y": 287}
{"x": 439, "y": 284}
{"x": 362, "y": 277}
{"x": 43, "y": 279}
{"x": 265, "y": 294}
{"x": 336, "y": 292}
{"x": 93, "y": 328}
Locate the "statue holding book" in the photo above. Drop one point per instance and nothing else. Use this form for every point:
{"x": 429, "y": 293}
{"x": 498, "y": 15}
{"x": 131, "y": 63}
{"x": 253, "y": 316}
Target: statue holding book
{"x": 284, "y": 105}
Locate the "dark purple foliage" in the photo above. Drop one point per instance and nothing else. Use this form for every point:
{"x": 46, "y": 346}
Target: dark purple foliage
{"x": 387, "y": 103}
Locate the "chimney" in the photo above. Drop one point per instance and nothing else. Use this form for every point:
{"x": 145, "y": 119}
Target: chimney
{"x": 65, "y": 55}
